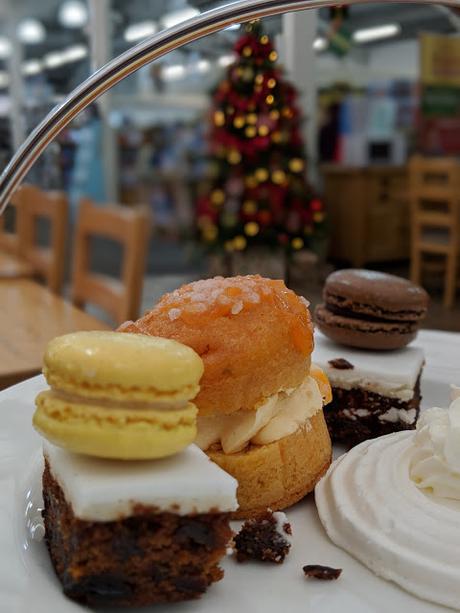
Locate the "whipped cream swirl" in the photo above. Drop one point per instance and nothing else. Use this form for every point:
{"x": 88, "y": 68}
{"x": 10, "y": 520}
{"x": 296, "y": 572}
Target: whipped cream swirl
{"x": 435, "y": 465}
{"x": 394, "y": 504}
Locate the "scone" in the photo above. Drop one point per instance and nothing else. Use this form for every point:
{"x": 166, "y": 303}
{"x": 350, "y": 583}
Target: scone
{"x": 260, "y": 403}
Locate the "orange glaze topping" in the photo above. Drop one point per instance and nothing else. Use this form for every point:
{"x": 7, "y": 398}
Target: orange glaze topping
{"x": 206, "y": 300}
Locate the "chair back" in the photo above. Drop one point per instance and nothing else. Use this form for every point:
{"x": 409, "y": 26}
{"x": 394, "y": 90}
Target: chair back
{"x": 130, "y": 227}
{"x": 11, "y": 239}
{"x": 435, "y": 203}
{"x": 47, "y": 261}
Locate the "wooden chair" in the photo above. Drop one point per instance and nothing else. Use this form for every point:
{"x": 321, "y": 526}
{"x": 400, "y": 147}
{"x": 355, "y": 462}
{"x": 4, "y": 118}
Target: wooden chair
{"x": 48, "y": 262}
{"x": 435, "y": 217}
{"x": 130, "y": 227}
{"x": 10, "y": 239}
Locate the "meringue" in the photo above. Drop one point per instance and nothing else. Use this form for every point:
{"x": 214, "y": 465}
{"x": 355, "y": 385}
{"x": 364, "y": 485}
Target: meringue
{"x": 394, "y": 504}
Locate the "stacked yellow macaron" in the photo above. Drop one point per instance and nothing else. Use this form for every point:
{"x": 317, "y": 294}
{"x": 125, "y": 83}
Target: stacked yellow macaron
{"x": 120, "y": 396}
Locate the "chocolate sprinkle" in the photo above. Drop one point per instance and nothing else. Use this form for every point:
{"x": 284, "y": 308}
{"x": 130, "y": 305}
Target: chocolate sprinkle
{"x": 325, "y": 573}
{"x": 341, "y": 364}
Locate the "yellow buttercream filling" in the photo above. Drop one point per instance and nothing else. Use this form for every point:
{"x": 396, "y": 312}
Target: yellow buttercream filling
{"x": 121, "y": 433}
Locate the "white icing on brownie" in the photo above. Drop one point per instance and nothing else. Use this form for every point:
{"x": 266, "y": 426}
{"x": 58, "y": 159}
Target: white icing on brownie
{"x": 389, "y": 373}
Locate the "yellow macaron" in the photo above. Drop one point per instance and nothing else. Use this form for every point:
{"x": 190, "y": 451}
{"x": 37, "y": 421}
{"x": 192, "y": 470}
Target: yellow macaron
{"x": 120, "y": 396}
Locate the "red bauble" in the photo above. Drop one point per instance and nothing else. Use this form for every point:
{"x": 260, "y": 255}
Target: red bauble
{"x": 316, "y": 205}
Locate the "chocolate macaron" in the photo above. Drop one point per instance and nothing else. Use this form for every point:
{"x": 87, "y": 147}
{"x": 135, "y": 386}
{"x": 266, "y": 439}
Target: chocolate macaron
{"x": 370, "y": 309}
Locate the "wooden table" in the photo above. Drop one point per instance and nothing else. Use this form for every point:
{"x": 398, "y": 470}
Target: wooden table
{"x": 12, "y": 267}
{"x": 30, "y": 316}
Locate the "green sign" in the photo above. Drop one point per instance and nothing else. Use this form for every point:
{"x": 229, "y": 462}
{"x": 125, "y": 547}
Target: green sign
{"x": 440, "y": 101}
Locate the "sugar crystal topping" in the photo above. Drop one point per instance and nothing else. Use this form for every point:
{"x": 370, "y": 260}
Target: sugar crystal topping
{"x": 225, "y": 297}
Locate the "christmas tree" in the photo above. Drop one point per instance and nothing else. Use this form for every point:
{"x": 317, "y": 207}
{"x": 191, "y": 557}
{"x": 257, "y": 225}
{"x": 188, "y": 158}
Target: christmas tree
{"x": 259, "y": 193}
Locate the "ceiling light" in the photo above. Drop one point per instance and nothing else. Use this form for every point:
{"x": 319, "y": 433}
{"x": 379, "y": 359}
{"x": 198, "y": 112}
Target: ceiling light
{"x": 370, "y": 34}
{"x": 32, "y": 67}
{"x": 176, "y": 71}
{"x": 73, "y": 14}
{"x": 54, "y": 59}
{"x": 4, "y": 79}
{"x": 172, "y": 19}
{"x": 320, "y": 44}
{"x": 31, "y": 31}
{"x": 74, "y": 53}
{"x": 65, "y": 56}
{"x": 5, "y": 47}
{"x": 203, "y": 65}
{"x": 136, "y": 31}
{"x": 226, "y": 60}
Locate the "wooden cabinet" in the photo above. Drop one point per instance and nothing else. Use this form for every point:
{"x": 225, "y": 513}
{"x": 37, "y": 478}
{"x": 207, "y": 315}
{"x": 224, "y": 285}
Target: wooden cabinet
{"x": 368, "y": 212}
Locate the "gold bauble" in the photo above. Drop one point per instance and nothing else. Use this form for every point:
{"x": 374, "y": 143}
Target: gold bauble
{"x": 259, "y": 79}
{"x": 250, "y": 131}
{"x": 263, "y": 130}
{"x": 247, "y": 51}
{"x": 273, "y": 56}
{"x": 277, "y": 137}
{"x": 239, "y": 121}
{"x": 278, "y": 177}
{"x": 271, "y": 83}
{"x": 219, "y": 119}
{"x": 251, "y": 118}
{"x": 269, "y": 99}
{"x": 264, "y": 39}
{"x": 234, "y": 156}
{"x": 296, "y": 165}
{"x": 239, "y": 243}
{"x": 274, "y": 114}
{"x": 251, "y": 228}
{"x": 261, "y": 174}
{"x": 217, "y": 196}
{"x": 297, "y": 243}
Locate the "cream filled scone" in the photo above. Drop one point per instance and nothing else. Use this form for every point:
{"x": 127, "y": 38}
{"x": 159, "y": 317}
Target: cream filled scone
{"x": 394, "y": 504}
{"x": 260, "y": 402}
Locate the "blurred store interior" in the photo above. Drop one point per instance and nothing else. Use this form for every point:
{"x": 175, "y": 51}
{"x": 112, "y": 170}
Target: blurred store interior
{"x": 338, "y": 103}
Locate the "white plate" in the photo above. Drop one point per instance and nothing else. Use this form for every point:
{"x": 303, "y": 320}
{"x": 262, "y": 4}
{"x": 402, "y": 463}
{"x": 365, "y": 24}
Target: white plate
{"x": 28, "y": 583}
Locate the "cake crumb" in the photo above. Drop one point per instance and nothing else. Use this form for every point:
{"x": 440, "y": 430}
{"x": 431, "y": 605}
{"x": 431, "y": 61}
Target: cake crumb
{"x": 265, "y": 538}
{"x": 341, "y": 364}
{"x": 324, "y": 573}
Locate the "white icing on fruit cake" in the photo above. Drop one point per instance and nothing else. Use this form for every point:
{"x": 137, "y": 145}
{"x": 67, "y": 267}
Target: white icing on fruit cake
{"x": 108, "y": 490}
{"x": 389, "y": 373}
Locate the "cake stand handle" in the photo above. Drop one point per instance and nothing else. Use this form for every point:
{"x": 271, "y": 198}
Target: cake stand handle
{"x": 140, "y": 55}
